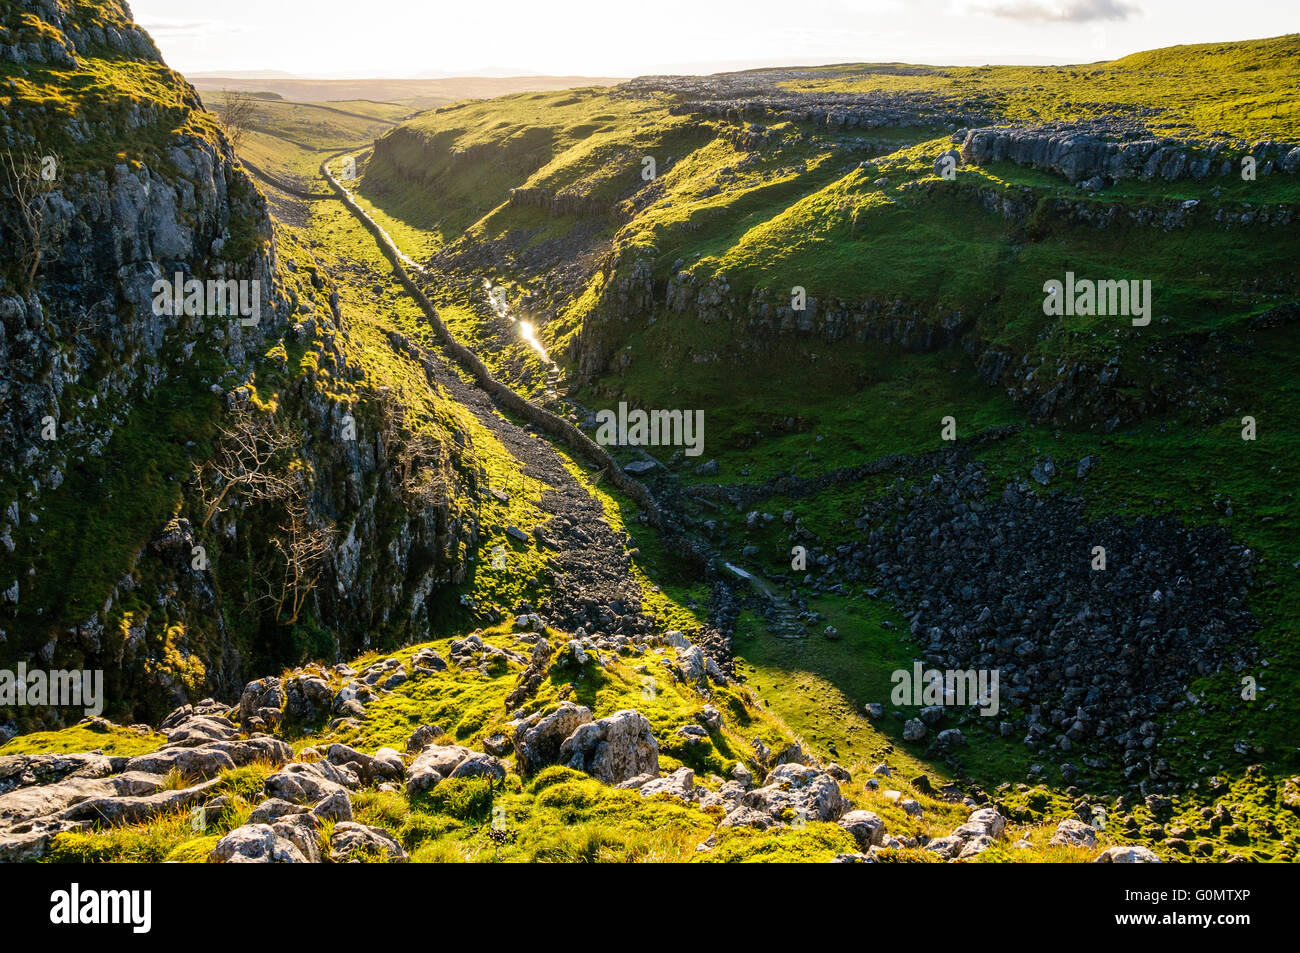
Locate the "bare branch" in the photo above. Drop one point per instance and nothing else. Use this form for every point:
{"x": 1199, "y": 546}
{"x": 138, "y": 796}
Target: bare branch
{"x": 256, "y": 461}
{"x": 28, "y": 182}
{"x": 236, "y": 113}
{"x": 250, "y": 443}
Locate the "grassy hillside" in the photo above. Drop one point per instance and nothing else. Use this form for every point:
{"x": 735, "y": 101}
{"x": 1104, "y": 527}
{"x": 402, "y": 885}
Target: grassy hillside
{"x": 1240, "y": 88}
{"x": 544, "y": 192}
{"x": 668, "y": 283}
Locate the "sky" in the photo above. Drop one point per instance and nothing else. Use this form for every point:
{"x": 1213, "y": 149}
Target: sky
{"x": 405, "y": 38}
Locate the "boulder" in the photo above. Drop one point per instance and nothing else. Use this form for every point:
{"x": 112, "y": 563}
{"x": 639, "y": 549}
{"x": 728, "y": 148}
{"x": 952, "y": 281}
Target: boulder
{"x": 867, "y": 828}
{"x": 613, "y": 749}
{"x": 981, "y": 829}
{"x": 947, "y": 162}
{"x": 1127, "y": 855}
{"x": 730, "y": 794}
{"x": 694, "y": 667}
{"x": 951, "y": 738}
{"x": 479, "y": 765}
{"x": 538, "y": 738}
{"x": 273, "y": 808}
{"x": 261, "y": 748}
{"x": 691, "y": 734}
{"x": 255, "y": 844}
{"x": 303, "y": 832}
{"x": 350, "y": 842}
{"x": 435, "y": 763}
{"x": 422, "y": 737}
{"x": 931, "y": 714}
{"x": 201, "y": 729}
{"x": 388, "y": 765}
{"x": 178, "y": 716}
{"x": 744, "y": 816}
{"x": 1074, "y": 833}
{"x": 261, "y": 694}
{"x": 301, "y": 783}
{"x": 335, "y": 806}
{"x": 680, "y": 784}
{"x": 24, "y": 770}
{"x": 676, "y": 639}
{"x": 428, "y": 660}
{"x": 806, "y": 792}
{"x": 362, "y": 764}
{"x": 307, "y": 698}
{"x": 711, "y": 719}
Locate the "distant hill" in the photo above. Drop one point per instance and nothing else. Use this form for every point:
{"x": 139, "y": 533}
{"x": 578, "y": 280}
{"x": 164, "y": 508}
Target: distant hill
{"x": 498, "y": 71}
{"x": 422, "y": 93}
{"x": 246, "y": 74}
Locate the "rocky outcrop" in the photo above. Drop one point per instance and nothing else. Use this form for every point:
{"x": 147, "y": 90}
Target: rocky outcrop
{"x": 1074, "y": 833}
{"x": 538, "y": 738}
{"x": 1110, "y": 150}
{"x": 350, "y": 843}
{"x": 191, "y": 753}
{"x": 613, "y": 749}
{"x": 749, "y": 97}
{"x": 54, "y": 794}
{"x": 632, "y": 294}
{"x": 1091, "y": 661}
{"x": 26, "y": 770}
{"x": 791, "y": 793}
{"x": 1121, "y": 854}
{"x": 91, "y": 369}
{"x": 565, "y": 203}
{"x": 981, "y": 830}
{"x": 439, "y": 762}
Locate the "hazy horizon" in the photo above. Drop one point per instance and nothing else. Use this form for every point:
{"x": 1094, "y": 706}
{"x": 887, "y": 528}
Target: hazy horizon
{"x": 590, "y": 38}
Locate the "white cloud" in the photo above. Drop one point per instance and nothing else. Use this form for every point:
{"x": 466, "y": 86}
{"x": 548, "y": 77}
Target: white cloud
{"x": 1056, "y": 11}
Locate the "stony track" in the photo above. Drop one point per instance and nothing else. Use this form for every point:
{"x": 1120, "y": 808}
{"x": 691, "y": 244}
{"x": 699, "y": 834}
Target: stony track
{"x": 593, "y": 588}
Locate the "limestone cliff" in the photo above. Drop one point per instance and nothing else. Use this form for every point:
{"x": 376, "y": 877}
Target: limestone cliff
{"x": 114, "y": 408}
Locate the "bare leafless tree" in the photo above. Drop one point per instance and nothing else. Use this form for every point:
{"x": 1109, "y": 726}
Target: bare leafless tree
{"x": 236, "y": 113}
{"x": 304, "y": 547}
{"x": 84, "y": 323}
{"x": 246, "y": 460}
{"x": 256, "y": 460}
{"x": 28, "y": 183}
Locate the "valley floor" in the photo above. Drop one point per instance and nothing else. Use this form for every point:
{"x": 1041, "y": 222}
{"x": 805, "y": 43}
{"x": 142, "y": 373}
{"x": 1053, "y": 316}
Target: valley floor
{"x": 588, "y": 694}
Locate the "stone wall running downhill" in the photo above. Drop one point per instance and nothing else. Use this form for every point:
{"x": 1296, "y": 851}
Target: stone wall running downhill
{"x": 553, "y": 424}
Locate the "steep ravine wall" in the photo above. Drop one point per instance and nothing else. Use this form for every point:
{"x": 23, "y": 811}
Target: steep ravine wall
{"x": 110, "y": 409}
